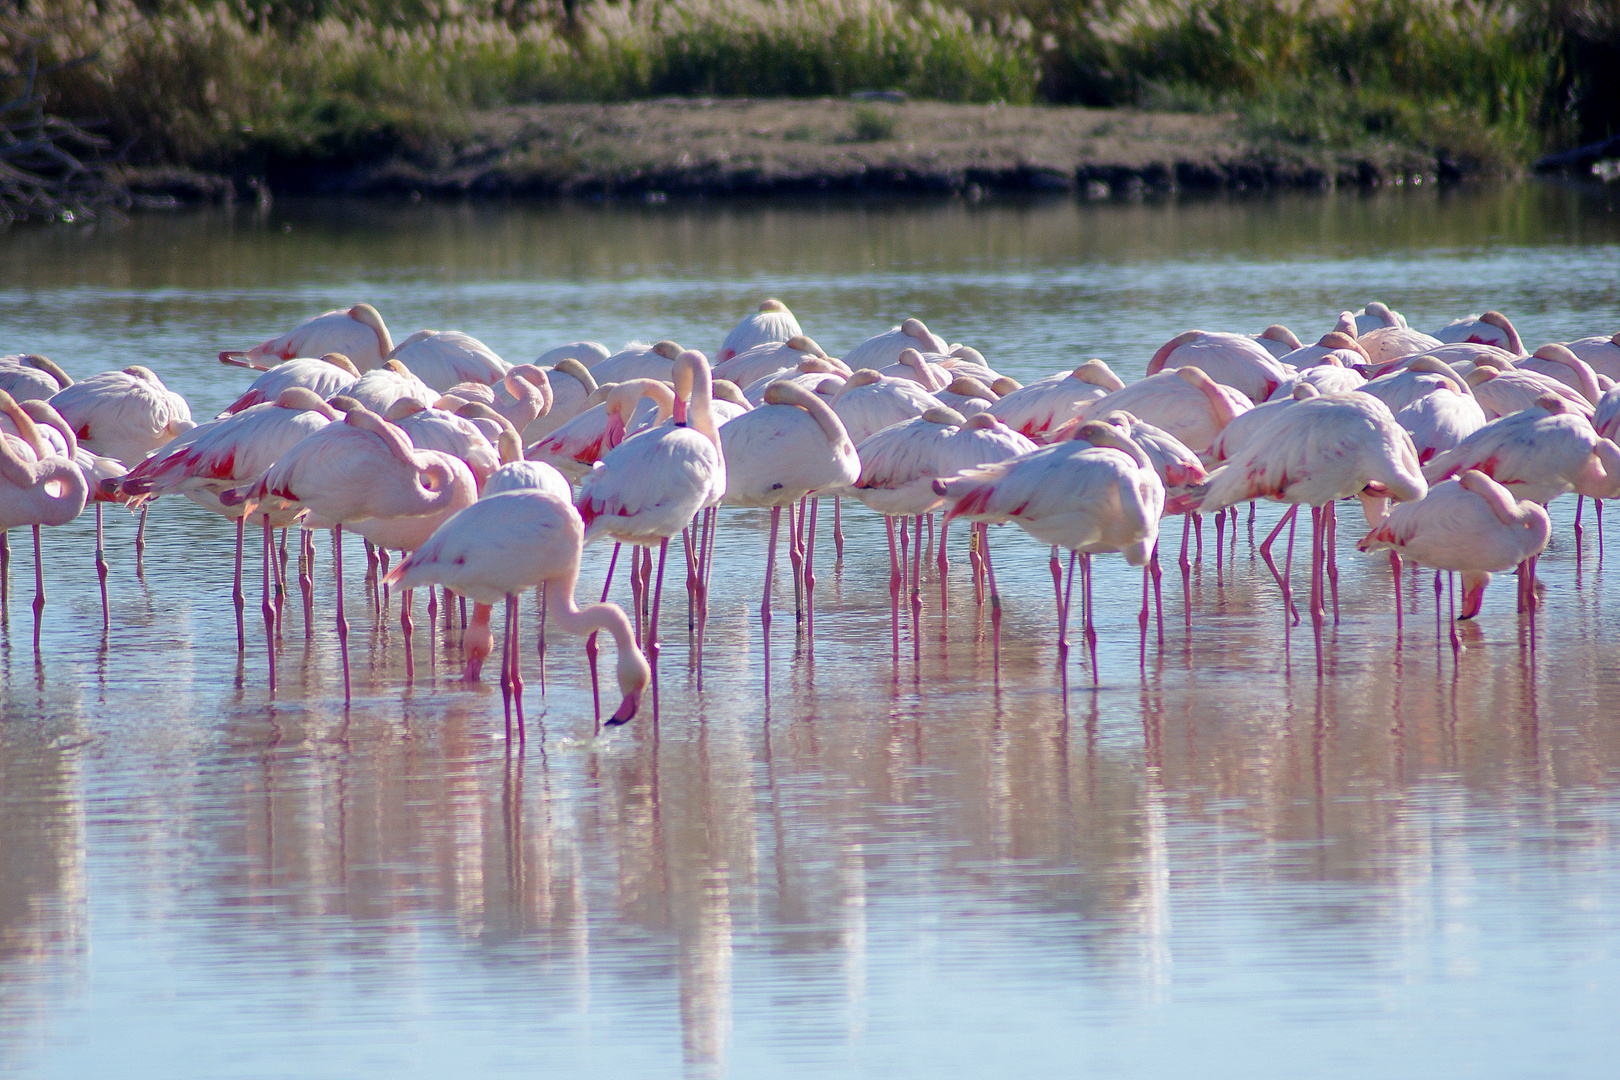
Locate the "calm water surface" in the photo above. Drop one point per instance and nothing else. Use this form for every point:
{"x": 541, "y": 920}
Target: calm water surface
{"x": 1213, "y": 865}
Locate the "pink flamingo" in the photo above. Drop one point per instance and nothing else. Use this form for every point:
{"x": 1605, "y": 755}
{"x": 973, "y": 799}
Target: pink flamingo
{"x": 772, "y": 321}
{"x": 37, "y": 487}
{"x": 522, "y": 395}
{"x": 1230, "y": 359}
{"x": 1558, "y": 362}
{"x": 1185, "y": 402}
{"x": 1277, "y": 340}
{"x": 650, "y": 487}
{"x": 442, "y": 358}
{"x": 571, "y": 385}
{"x": 1470, "y": 524}
{"x": 911, "y": 364}
{"x": 1097, "y": 493}
{"x": 362, "y": 468}
{"x": 30, "y": 377}
{"x": 792, "y": 447}
{"x": 357, "y": 333}
{"x": 766, "y": 358}
{"x": 638, "y": 360}
{"x": 883, "y": 349}
{"x": 1491, "y": 328}
{"x": 327, "y": 377}
{"x": 968, "y": 396}
{"x": 1502, "y": 391}
{"x": 379, "y": 388}
{"x": 1602, "y": 353}
{"x": 576, "y": 446}
{"x": 1034, "y": 409}
{"x": 500, "y": 546}
{"x": 1312, "y": 453}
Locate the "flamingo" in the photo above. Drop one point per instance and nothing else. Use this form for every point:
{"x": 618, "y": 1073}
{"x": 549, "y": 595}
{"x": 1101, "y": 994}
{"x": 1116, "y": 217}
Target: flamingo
{"x": 522, "y": 395}
{"x": 1230, "y": 359}
{"x": 357, "y": 333}
{"x": 327, "y": 377}
{"x": 1277, "y": 340}
{"x": 577, "y": 445}
{"x": 650, "y": 487}
{"x": 223, "y": 454}
{"x": 813, "y": 373}
{"x": 1502, "y": 392}
{"x": 1470, "y": 524}
{"x": 500, "y": 546}
{"x": 1558, "y": 362}
{"x": 1389, "y": 343}
{"x": 772, "y": 321}
{"x": 1185, "y": 402}
{"x": 1538, "y": 454}
{"x": 752, "y": 364}
{"x": 1602, "y": 353}
{"x": 911, "y": 364}
{"x": 123, "y": 415}
{"x": 29, "y": 376}
{"x": 1374, "y": 316}
{"x": 379, "y": 388}
{"x": 568, "y": 398}
{"x": 1491, "y": 328}
{"x": 1330, "y": 376}
{"x": 1312, "y": 453}
{"x": 442, "y": 358}
{"x": 885, "y": 348}
{"x": 362, "y": 468}
{"x": 967, "y": 396}
{"x": 587, "y": 354}
{"x": 437, "y": 429}
{"x": 1035, "y": 409}
{"x": 1096, "y": 493}
{"x": 638, "y": 360}
{"x": 38, "y": 486}
{"x": 791, "y": 447}
{"x": 1335, "y": 343}
{"x": 966, "y": 360}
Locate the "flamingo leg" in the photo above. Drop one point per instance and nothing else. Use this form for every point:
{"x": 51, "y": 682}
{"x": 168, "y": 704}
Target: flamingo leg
{"x": 1330, "y": 552}
{"x": 590, "y": 641}
{"x": 1056, "y": 568}
{"x": 506, "y": 666}
{"x": 636, "y": 586}
{"x": 1318, "y": 528}
{"x": 796, "y": 556}
{"x": 770, "y": 571}
{"x": 371, "y": 574}
{"x": 342, "y": 620}
{"x": 976, "y": 561}
{"x": 944, "y": 565}
{"x": 895, "y": 579}
{"x": 540, "y": 591}
{"x": 711, "y": 520}
{"x": 306, "y": 579}
{"x": 5, "y": 575}
{"x": 407, "y": 628}
{"x": 1089, "y": 627}
{"x": 1451, "y": 622}
{"x": 1142, "y": 616}
{"x": 995, "y": 602}
{"x": 810, "y": 576}
{"x": 838, "y": 528}
{"x": 1220, "y": 538}
{"x": 1580, "y": 501}
{"x": 268, "y": 609}
{"x": 1597, "y": 512}
{"x": 1265, "y": 553}
{"x": 1198, "y": 536}
{"x": 101, "y": 573}
{"x": 281, "y": 582}
{"x": 653, "y": 644}
{"x": 238, "y": 598}
{"x": 1395, "y": 573}
{"x": 1185, "y": 564}
{"x": 39, "y": 589}
{"x": 916, "y": 591}
{"x": 140, "y": 541}
{"x": 1158, "y": 593}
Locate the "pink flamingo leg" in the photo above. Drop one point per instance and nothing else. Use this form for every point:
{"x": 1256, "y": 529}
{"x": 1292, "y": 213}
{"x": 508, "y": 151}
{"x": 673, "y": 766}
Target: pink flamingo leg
{"x": 590, "y": 641}
{"x": 1580, "y": 500}
{"x": 653, "y": 644}
{"x": 407, "y": 628}
{"x": 976, "y": 561}
{"x": 1330, "y": 552}
{"x": 306, "y": 579}
{"x": 1318, "y": 614}
{"x": 541, "y": 648}
{"x": 1089, "y": 627}
{"x": 268, "y": 609}
{"x": 995, "y": 603}
{"x": 916, "y": 592}
{"x": 5, "y": 576}
{"x": 101, "y": 573}
{"x": 1395, "y": 573}
{"x": 1265, "y": 554}
{"x": 896, "y": 561}
{"x": 838, "y": 528}
{"x": 1185, "y": 565}
{"x": 944, "y": 567}
{"x": 342, "y": 620}
{"x": 770, "y": 571}
{"x": 810, "y": 577}
{"x": 140, "y": 542}
{"x": 1056, "y": 568}
{"x": 238, "y": 598}
{"x": 39, "y": 590}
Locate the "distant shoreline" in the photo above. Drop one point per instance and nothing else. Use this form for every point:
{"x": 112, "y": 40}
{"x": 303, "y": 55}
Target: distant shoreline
{"x": 709, "y": 148}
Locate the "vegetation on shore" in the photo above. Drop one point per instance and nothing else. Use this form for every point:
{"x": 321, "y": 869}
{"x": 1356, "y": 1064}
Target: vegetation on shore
{"x": 242, "y": 87}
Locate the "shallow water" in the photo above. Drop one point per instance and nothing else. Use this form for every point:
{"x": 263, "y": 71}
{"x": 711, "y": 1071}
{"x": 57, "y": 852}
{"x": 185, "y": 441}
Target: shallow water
{"x": 1213, "y": 864}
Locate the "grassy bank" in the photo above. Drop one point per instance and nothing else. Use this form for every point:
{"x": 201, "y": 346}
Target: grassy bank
{"x": 284, "y": 89}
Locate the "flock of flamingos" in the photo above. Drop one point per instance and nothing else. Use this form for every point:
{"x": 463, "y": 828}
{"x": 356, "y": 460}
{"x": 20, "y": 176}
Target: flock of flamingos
{"x": 436, "y": 448}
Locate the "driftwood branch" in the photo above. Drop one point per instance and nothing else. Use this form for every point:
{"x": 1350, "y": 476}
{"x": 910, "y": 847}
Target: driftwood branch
{"x": 50, "y": 167}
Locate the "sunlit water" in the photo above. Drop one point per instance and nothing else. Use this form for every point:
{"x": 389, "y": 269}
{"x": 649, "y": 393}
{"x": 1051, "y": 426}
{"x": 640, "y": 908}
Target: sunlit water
{"x": 1216, "y": 864}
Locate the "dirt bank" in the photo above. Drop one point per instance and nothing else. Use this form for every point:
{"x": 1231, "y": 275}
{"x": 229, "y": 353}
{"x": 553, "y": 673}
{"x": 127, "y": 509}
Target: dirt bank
{"x": 696, "y": 147}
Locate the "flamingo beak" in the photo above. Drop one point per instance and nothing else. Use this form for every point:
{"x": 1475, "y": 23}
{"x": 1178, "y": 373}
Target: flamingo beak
{"x": 627, "y": 709}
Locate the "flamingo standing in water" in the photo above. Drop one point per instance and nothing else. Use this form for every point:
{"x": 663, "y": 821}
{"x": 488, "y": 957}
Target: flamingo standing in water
{"x": 1234, "y": 360}
{"x": 502, "y": 545}
{"x": 30, "y": 377}
{"x": 791, "y": 447}
{"x": 357, "y": 333}
{"x": 771, "y": 322}
{"x": 328, "y": 377}
{"x": 38, "y": 486}
{"x": 362, "y": 468}
{"x": 650, "y": 487}
{"x": 1036, "y": 408}
{"x": 1470, "y": 524}
{"x": 1098, "y": 492}
{"x": 1314, "y": 452}
{"x": 442, "y": 358}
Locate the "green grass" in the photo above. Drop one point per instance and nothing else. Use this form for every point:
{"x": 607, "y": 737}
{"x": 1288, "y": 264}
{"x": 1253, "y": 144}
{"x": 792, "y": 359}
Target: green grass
{"x": 241, "y": 85}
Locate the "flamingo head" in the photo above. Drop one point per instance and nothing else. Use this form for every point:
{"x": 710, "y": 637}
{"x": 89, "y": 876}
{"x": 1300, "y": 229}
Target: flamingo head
{"x": 634, "y": 678}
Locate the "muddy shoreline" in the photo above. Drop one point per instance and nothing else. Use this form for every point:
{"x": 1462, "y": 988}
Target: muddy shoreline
{"x": 701, "y": 148}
